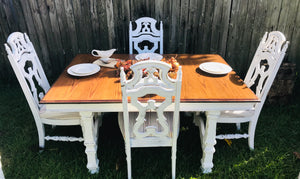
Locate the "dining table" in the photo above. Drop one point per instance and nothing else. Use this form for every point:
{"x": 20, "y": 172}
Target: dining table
{"x": 101, "y": 92}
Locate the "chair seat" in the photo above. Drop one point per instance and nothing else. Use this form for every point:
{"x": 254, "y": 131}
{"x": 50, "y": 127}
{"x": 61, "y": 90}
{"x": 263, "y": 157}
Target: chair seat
{"x": 60, "y": 115}
{"x": 237, "y": 114}
{"x": 54, "y": 118}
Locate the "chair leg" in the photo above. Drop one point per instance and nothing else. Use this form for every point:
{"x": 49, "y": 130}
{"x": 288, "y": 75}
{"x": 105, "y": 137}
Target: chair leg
{"x": 97, "y": 124}
{"x": 238, "y": 126}
{"x": 199, "y": 121}
{"x": 41, "y": 132}
{"x": 174, "y": 161}
{"x": 251, "y": 131}
{"x": 128, "y": 158}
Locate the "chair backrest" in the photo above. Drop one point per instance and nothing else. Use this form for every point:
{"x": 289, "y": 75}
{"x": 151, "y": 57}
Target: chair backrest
{"x": 28, "y": 69}
{"x": 266, "y": 62}
{"x": 145, "y": 31}
{"x": 151, "y": 78}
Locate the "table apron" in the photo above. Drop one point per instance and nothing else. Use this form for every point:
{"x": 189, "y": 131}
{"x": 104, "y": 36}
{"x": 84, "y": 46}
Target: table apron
{"x": 117, "y": 107}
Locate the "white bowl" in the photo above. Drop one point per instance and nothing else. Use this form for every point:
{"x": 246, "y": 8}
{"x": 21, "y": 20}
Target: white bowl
{"x": 151, "y": 56}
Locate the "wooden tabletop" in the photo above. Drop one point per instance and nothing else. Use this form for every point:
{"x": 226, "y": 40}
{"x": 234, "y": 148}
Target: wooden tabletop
{"x": 104, "y": 86}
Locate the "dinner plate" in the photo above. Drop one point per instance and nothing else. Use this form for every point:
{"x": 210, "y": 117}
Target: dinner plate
{"x": 83, "y": 69}
{"x": 151, "y": 56}
{"x": 215, "y": 68}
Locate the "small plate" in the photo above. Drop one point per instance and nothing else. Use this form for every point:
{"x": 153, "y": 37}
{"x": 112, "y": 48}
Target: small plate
{"x": 151, "y": 56}
{"x": 83, "y": 69}
{"x": 102, "y": 64}
{"x": 215, "y": 68}
{"x": 107, "y": 60}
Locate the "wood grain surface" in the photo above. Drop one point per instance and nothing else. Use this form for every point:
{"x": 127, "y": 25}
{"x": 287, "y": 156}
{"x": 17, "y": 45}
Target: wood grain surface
{"x": 104, "y": 86}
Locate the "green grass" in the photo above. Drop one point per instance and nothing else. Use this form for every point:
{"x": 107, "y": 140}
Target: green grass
{"x": 277, "y": 137}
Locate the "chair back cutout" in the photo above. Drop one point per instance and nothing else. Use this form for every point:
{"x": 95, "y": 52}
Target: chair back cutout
{"x": 146, "y": 31}
{"x": 27, "y": 67}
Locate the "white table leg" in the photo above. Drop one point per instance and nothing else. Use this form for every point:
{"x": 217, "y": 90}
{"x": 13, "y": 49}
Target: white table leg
{"x": 209, "y": 140}
{"x": 87, "y": 125}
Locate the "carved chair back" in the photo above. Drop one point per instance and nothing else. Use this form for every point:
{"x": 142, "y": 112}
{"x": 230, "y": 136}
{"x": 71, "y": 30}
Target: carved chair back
{"x": 265, "y": 64}
{"x": 146, "y": 31}
{"x": 28, "y": 69}
{"x": 151, "y": 78}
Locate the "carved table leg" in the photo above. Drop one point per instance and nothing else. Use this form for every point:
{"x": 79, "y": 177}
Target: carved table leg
{"x": 87, "y": 125}
{"x": 209, "y": 140}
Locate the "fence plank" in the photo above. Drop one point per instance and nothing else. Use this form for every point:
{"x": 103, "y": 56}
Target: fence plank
{"x": 103, "y": 26}
{"x": 32, "y": 32}
{"x": 207, "y": 25}
{"x": 183, "y": 24}
{"x": 18, "y": 16}
{"x": 287, "y": 20}
{"x": 259, "y": 26}
{"x": 58, "y": 18}
{"x": 4, "y": 30}
{"x": 294, "y": 55}
{"x": 235, "y": 34}
{"x": 126, "y": 19}
{"x": 95, "y": 24}
{"x": 52, "y": 35}
{"x": 192, "y": 32}
{"x": 11, "y": 25}
{"x": 78, "y": 19}
{"x": 232, "y": 28}
{"x": 220, "y": 27}
{"x": 37, "y": 23}
{"x": 166, "y": 18}
{"x": 200, "y": 27}
{"x": 4, "y": 25}
{"x": 173, "y": 43}
{"x": 273, "y": 14}
{"x": 110, "y": 23}
{"x": 86, "y": 22}
{"x": 71, "y": 27}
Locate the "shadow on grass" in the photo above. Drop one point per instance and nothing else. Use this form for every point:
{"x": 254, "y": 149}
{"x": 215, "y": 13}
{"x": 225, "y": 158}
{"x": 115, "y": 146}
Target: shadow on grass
{"x": 277, "y": 137}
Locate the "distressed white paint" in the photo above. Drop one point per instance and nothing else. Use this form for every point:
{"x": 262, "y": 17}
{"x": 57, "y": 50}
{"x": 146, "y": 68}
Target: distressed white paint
{"x": 1, "y": 171}
{"x": 145, "y": 31}
{"x": 151, "y": 126}
{"x": 64, "y": 138}
{"x": 262, "y": 71}
{"x": 232, "y": 136}
{"x": 33, "y": 81}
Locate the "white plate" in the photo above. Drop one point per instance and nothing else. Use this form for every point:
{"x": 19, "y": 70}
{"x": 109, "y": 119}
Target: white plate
{"x": 151, "y": 56}
{"x": 215, "y": 68}
{"x": 83, "y": 69}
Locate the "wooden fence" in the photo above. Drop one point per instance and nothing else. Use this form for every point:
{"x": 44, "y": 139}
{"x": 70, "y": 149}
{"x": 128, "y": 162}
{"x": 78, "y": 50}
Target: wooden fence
{"x": 60, "y": 29}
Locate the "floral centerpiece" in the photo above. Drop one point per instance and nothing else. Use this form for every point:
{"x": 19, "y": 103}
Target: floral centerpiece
{"x": 126, "y": 65}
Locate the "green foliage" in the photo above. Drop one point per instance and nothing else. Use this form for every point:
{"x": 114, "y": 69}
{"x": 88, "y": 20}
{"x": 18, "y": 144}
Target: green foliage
{"x": 277, "y": 137}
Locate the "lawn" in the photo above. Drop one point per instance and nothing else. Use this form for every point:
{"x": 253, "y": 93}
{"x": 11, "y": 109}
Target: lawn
{"x": 277, "y": 138}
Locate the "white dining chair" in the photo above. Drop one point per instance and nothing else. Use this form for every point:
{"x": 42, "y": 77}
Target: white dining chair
{"x": 152, "y": 125}
{"x": 146, "y": 38}
{"x": 260, "y": 76}
{"x": 31, "y": 76}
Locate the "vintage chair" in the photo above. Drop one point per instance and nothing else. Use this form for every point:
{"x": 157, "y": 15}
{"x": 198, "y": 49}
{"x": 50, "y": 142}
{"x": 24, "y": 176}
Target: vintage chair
{"x": 152, "y": 125}
{"x": 146, "y": 36}
{"x": 260, "y": 76}
{"x": 31, "y": 76}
